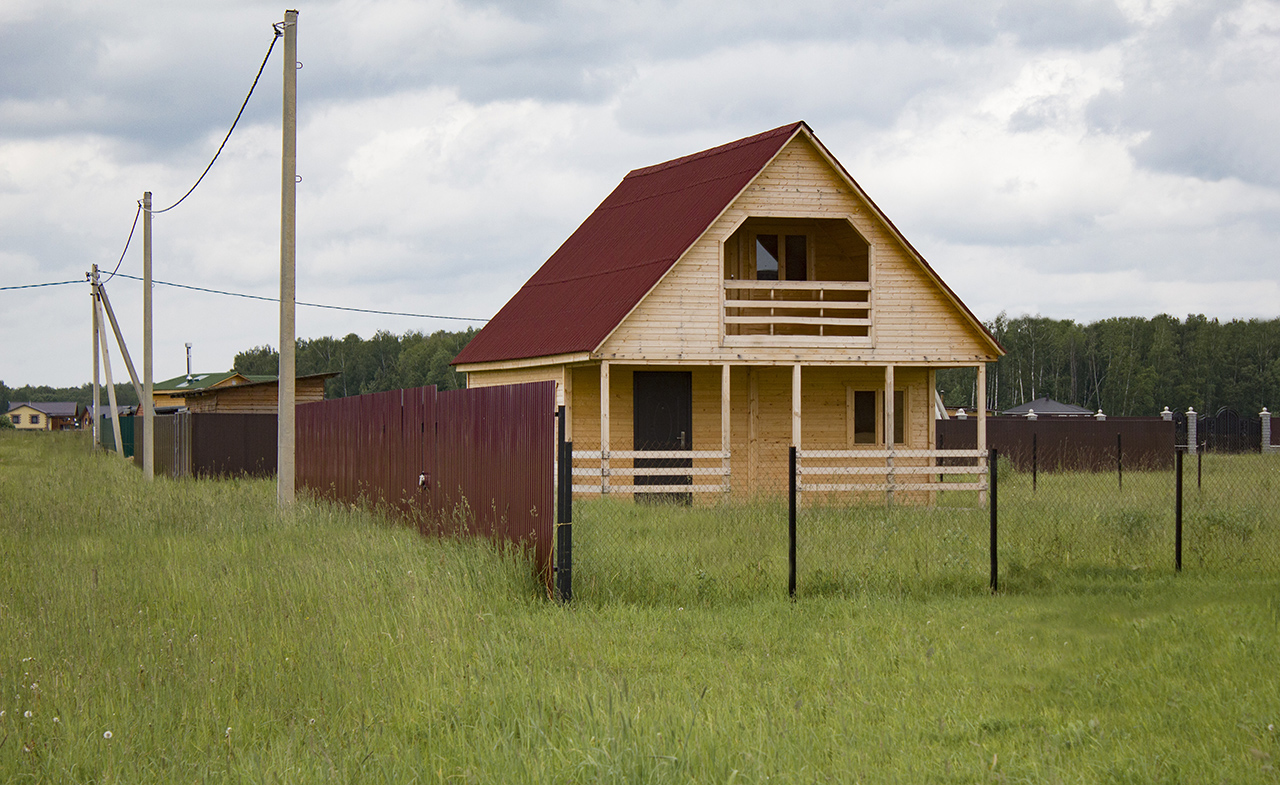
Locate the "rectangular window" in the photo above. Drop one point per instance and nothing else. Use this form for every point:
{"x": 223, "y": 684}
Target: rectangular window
{"x": 899, "y": 416}
{"x": 864, "y": 417}
{"x": 35, "y": 419}
{"x": 767, "y": 257}
{"x": 17, "y": 419}
{"x": 782, "y": 257}
{"x": 797, "y": 256}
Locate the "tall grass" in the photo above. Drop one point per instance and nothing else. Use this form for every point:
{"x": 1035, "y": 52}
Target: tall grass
{"x": 216, "y": 638}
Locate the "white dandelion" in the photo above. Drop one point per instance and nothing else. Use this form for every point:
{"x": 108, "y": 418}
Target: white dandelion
{"x": 27, "y": 713}
{"x": 106, "y": 734}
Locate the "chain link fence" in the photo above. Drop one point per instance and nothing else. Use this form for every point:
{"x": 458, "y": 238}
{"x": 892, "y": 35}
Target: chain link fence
{"x": 917, "y": 523}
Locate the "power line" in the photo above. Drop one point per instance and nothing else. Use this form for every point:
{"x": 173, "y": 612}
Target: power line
{"x": 309, "y": 305}
{"x": 274, "y": 38}
{"x": 38, "y": 285}
{"x": 126, "y": 242}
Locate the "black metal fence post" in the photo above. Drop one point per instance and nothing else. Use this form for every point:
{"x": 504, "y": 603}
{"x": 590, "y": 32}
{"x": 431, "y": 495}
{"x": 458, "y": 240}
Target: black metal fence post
{"x": 991, "y": 467}
{"x": 791, "y": 528}
{"x": 1199, "y": 463}
{"x": 1034, "y": 463}
{"x": 564, "y": 515}
{"x": 1119, "y": 463}
{"x": 1177, "y": 511}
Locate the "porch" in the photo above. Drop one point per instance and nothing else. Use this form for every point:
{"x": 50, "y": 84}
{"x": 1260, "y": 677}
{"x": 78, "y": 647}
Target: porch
{"x": 703, "y": 433}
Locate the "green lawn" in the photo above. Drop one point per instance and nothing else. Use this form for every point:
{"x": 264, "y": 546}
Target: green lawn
{"x": 188, "y": 631}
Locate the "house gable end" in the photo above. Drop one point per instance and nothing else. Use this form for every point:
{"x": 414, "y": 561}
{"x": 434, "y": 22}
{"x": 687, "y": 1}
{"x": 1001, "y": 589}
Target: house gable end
{"x": 915, "y": 317}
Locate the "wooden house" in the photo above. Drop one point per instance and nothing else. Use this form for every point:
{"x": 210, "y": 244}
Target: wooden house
{"x": 173, "y": 393}
{"x": 255, "y": 397}
{"x": 720, "y": 308}
{"x": 48, "y": 415}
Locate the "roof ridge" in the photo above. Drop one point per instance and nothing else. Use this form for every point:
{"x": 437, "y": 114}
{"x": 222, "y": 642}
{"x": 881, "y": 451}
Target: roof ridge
{"x": 782, "y": 130}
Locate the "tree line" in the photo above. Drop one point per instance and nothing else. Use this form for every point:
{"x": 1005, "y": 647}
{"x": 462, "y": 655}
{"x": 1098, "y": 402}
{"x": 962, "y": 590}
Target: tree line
{"x": 1129, "y": 366}
{"x": 384, "y": 362}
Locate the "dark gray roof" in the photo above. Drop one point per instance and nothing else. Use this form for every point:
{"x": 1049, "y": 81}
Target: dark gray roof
{"x": 1047, "y": 407}
{"x": 50, "y": 408}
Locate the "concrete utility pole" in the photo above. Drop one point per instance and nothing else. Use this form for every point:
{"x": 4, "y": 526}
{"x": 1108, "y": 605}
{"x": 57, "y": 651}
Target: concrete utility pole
{"x": 97, "y": 336}
{"x": 148, "y": 406}
{"x": 285, "y": 449}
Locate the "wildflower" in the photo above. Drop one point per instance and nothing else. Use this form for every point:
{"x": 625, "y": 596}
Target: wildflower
{"x": 228, "y": 733}
{"x": 55, "y": 719}
{"x": 27, "y": 713}
{"x": 106, "y": 734}
{"x": 311, "y": 721}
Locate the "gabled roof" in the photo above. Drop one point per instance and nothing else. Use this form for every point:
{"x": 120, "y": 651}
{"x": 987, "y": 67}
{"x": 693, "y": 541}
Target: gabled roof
{"x": 619, "y": 253}
{"x": 201, "y": 381}
{"x": 1047, "y": 407}
{"x": 256, "y": 381}
{"x": 607, "y": 266}
{"x": 50, "y": 408}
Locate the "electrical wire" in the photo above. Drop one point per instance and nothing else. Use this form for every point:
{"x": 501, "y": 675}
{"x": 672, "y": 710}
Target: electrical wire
{"x": 38, "y": 285}
{"x": 278, "y": 33}
{"x": 126, "y": 242}
{"x": 309, "y": 305}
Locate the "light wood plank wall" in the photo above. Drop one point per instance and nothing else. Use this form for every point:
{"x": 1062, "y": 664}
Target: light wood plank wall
{"x": 914, "y": 320}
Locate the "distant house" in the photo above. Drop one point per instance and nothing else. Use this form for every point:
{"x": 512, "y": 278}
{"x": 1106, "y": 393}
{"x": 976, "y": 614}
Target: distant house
{"x": 1047, "y": 407}
{"x": 233, "y": 393}
{"x": 255, "y": 397}
{"x": 172, "y": 393}
{"x": 48, "y": 415}
{"x": 730, "y": 304}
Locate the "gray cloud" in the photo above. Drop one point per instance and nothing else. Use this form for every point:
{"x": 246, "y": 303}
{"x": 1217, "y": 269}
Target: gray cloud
{"x": 1200, "y": 89}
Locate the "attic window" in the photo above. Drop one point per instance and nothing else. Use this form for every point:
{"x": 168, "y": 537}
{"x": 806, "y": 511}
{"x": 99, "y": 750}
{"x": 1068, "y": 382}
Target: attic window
{"x": 787, "y": 254}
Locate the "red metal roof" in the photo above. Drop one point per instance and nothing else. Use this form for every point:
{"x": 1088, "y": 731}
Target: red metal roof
{"x": 625, "y": 246}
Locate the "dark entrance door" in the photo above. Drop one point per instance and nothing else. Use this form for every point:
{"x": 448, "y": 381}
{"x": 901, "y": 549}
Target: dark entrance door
{"x": 663, "y": 421}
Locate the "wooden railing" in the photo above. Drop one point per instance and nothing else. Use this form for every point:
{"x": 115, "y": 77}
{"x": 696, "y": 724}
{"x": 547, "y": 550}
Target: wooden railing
{"x": 604, "y": 468}
{"x": 821, "y": 310}
{"x": 890, "y": 471}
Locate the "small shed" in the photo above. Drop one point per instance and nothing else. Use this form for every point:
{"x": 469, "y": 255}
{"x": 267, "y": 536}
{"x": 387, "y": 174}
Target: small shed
{"x": 255, "y": 397}
{"x": 719, "y": 308}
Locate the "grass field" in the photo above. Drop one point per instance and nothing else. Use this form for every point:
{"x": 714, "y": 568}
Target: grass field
{"x": 188, "y": 631}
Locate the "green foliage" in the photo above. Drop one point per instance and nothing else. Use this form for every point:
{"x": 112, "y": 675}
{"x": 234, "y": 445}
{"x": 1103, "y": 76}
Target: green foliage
{"x": 384, "y": 362}
{"x": 6, "y": 424}
{"x": 125, "y": 394}
{"x": 191, "y": 631}
{"x": 1129, "y": 366}
{"x": 258, "y": 361}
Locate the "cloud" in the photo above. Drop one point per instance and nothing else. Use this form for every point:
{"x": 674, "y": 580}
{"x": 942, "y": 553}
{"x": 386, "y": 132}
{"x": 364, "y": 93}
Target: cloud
{"x": 1199, "y": 87}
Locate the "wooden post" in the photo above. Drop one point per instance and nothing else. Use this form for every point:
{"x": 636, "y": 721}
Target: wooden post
{"x": 725, "y": 432}
{"x": 287, "y": 379}
{"x": 604, "y": 426}
{"x": 148, "y": 404}
{"x": 982, "y": 420}
{"x": 753, "y": 428}
{"x": 795, "y": 405}
{"x": 889, "y": 419}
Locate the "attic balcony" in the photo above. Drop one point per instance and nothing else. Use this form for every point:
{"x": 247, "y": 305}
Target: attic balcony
{"x": 797, "y": 282}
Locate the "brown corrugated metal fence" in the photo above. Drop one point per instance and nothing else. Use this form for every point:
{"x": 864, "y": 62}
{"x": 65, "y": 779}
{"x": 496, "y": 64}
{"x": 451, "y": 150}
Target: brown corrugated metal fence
{"x": 1068, "y": 443}
{"x": 485, "y": 457}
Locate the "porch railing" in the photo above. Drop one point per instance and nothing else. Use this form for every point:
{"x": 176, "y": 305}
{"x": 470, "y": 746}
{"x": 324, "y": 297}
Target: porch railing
{"x": 838, "y": 311}
{"x": 605, "y": 468}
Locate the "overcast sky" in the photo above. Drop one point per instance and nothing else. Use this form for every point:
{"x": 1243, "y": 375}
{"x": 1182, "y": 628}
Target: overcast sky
{"x": 1077, "y": 159}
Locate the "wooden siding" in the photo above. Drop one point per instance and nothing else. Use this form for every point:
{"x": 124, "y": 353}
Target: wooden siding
{"x": 914, "y": 321}
{"x": 253, "y": 399}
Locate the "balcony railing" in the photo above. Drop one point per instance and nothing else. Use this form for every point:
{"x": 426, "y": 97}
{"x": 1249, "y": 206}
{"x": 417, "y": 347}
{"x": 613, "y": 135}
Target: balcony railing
{"x": 788, "y": 312}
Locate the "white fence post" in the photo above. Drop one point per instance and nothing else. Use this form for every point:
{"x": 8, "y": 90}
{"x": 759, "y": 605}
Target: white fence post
{"x": 1191, "y": 431}
{"x": 1166, "y": 415}
{"x": 1266, "y": 429}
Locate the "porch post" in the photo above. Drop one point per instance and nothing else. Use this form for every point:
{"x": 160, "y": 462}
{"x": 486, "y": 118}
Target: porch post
{"x": 604, "y": 426}
{"x": 982, "y": 420}
{"x": 724, "y": 426}
{"x": 889, "y": 420}
{"x": 795, "y": 405}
